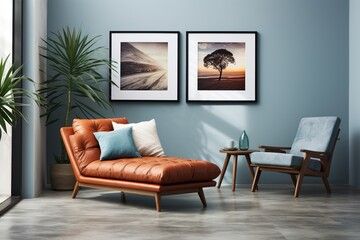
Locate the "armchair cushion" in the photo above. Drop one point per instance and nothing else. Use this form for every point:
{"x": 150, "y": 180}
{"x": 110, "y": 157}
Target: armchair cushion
{"x": 316, "y": 134}
{"x": 283, "y": 160}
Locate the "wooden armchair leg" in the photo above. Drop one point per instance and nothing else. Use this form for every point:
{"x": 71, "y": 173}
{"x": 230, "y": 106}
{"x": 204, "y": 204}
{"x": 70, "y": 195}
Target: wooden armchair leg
{"x": 158, "y": 202}
{"x": 298, "y": 184}
{"x": 76, "y": 189}
{"x": 293, "y": 178}
{"x": 327, "y": 185}
{"x": 202, "y": 196}
{"x": 256, "y": 179}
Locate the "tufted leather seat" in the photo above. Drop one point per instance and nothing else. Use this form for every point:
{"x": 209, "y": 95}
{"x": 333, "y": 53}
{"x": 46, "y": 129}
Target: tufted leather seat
{"x": 155, "y": 176}
{"x": 159, "y": 170}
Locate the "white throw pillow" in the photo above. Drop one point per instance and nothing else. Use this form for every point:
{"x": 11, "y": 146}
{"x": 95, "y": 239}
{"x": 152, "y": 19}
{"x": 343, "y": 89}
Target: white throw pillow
{"x": 145, "y": 137}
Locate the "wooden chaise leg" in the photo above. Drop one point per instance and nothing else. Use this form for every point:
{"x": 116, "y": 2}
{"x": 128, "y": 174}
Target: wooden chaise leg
{"x": 256, "y": 179}
{"x": 158, "y": 202}
{"x": 202, "y": 196}
{"x": 123, "y": 198}
{"x": 327, "y": 185}
{"x": 76, "y": 189}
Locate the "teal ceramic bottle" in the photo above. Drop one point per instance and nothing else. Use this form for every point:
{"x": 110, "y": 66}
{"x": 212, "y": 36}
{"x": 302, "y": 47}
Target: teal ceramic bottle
{"x": 244, "y": 141}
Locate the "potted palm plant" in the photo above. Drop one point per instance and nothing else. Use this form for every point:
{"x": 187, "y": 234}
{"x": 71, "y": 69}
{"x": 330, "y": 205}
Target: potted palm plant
{"x": 74, "y": 82}
{"x": 10, "y": 92}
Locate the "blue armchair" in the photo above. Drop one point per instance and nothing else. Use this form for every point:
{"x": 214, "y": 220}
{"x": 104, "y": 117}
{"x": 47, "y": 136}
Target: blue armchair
{"x": 309, "y": 155}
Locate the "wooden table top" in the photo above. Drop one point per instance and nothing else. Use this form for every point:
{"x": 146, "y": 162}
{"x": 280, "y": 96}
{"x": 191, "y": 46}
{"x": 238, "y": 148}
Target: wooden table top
{"x": 237, "y": 151}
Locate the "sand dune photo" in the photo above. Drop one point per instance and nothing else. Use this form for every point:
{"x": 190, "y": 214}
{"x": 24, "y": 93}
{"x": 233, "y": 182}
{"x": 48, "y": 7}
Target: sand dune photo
{"x": 156, "y": 80}
{"x": 144, "y": 66}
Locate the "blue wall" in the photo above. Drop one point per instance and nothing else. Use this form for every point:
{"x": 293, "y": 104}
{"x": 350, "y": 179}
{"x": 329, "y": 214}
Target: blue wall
{"x": 302, "y": 71}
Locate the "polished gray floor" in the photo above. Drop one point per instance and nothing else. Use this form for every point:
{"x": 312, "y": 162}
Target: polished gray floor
{"x": 271, "y": 213}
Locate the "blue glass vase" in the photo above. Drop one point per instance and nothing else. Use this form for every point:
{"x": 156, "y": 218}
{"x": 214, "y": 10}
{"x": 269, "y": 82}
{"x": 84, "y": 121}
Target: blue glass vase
{"x": 244, "y": 141}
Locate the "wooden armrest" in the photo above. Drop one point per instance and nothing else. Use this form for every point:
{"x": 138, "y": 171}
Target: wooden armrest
{"x": 275, "y": 149}
{"x": 315, "y": 154}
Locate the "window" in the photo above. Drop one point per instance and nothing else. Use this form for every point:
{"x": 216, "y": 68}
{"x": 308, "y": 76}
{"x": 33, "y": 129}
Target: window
{"x": 11, "y": 43}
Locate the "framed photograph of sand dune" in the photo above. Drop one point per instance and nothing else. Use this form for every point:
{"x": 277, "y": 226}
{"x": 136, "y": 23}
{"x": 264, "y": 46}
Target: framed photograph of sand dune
{"x": 221, "y": 66}
{"x": 146, "y": 66}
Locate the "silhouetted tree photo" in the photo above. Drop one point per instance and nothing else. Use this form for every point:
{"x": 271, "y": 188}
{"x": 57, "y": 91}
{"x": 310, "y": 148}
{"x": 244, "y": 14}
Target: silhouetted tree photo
{"x": 219, "y": 60}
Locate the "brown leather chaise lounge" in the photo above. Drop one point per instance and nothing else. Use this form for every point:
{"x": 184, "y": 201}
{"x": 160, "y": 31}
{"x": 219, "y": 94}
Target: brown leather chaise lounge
{"x": 152, "y": 176}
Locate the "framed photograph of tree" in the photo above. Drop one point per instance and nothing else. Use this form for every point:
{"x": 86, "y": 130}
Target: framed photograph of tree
{"x": 146, "y": 66}
{"x": 221, "y": 66}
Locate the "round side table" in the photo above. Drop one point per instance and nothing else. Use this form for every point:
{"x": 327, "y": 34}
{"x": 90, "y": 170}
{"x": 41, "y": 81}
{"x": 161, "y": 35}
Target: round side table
{"x": 235, "y": 153}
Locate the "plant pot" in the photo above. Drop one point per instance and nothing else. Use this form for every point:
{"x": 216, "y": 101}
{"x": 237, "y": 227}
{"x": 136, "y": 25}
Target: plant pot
{"x": 62, "y": 177}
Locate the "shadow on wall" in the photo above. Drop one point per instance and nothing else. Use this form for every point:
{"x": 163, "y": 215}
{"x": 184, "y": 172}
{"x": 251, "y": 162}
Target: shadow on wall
{"x": 201, "y": 135}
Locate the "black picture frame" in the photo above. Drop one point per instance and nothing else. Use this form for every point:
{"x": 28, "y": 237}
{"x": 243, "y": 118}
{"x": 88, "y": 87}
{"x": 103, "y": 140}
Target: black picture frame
{"x": 221, "y": 66}
{"x": 146, "y": 66}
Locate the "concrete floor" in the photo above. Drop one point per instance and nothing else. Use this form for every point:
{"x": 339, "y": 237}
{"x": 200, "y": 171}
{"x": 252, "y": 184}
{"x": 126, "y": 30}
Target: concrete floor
{"x": 271, "y": 213}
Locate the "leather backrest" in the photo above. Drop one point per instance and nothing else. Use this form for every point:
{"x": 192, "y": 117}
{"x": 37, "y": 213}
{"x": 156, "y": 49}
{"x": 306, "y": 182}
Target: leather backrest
{"x": 316, "y": 134}
{"x": 84, "y": 144}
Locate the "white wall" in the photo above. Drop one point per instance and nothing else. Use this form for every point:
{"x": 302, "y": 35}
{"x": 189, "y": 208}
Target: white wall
{"x": 354, "y": 87}
{"x": 6, "y": 20}
{"x": 34, "y": 145}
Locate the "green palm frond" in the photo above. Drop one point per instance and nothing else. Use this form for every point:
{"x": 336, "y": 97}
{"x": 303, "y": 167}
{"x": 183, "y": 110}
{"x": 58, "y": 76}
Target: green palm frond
{"x": 10, "y": 92}
{"x": 74, "y": 78}
{"x": 75, "y": 73}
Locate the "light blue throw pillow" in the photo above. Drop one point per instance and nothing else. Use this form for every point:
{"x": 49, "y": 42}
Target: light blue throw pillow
{"x": 117, "y": 144}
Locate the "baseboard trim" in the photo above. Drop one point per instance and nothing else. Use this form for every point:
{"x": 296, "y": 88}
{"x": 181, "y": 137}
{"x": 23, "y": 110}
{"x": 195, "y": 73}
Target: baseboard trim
{"x": 8, "y": 204}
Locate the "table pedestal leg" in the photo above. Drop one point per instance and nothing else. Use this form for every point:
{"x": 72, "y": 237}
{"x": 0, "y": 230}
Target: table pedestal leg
{"x": 234, "y": 172}
{"x": 226, "y": 162}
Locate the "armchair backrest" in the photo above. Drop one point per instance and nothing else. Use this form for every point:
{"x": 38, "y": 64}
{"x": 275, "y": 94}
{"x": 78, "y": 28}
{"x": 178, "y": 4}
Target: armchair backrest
{"x": 316, "y": 134}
